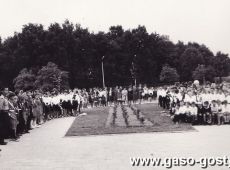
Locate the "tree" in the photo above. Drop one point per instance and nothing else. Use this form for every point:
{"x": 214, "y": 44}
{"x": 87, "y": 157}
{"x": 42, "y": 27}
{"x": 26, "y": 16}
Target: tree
{"x": 210, "y": 73}
{"x": 204, "y": 73}
{"x": 79, "y": 52}
{"x": 25, "y": 80}
{"x": 168, "y": 74}
{"x": 7, "y": 69}
{"x": 221, "y": 63}
{"x": 50, "y": 77}
{"x": 189, "y": 60}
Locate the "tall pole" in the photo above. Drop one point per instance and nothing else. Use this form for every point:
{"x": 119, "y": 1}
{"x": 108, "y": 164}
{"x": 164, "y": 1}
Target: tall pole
{"x": 135, "y": 80}
{"x": 102, "y": 69}
{"x": 134, "y": 74}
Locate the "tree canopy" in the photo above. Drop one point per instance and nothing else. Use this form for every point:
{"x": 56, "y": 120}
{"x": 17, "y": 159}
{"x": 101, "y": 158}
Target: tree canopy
{"x": 204, "y": 73}
{"x": 49, "y": 77}
{"x": 79, "y": 52}
{"x": 25, "y": 80}
{"x": 168, "y": 74}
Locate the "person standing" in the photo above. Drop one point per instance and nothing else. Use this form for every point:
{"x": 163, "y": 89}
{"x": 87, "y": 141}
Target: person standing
{"x": 37, "y": 110}
{"x": 124, "y": 94}
{"x": 119, "y": 95}
{"x": 13, "y": 111}
{"x": 115, "y": 95}
{"x": 75, "y": 103}
{"x": 135, "y": 95}
{"x": 26, "y": 113}
{"x": 139, "y": 93}
{"x": 130, "y": 95}
{"x": 110, "y": 96}
{"x": 4, "y": 119}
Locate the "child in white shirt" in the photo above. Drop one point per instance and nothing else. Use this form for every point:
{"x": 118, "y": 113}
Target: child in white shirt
{"x": 194, "y": 112}
{"x": 226, "y": 112}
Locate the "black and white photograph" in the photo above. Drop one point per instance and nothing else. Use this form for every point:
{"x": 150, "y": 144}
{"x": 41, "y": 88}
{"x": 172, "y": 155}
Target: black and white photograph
{"x": 114, "y": 84}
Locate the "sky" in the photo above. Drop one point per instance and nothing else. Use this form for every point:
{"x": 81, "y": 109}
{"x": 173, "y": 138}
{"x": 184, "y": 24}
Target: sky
{"x": 203, "y": 21}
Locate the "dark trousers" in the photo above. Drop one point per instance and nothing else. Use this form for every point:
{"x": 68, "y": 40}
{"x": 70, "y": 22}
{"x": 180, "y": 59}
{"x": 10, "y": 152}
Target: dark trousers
{"x": 4, "y": 125}
{"x": 28, "y": 122}
{"x": 21, "y": 124}
{"x": 163, "y": 102}
{"x": 167, "y": 103}
{"x": 179, "y": 118}
{"x": 194, "y": 119}
{"x": 200, "y": 118}
{"x": 160, "y": 101}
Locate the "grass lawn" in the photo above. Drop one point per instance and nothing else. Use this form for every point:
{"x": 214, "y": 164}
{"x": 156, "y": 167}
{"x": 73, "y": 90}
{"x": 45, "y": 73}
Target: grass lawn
{"x": 94, "y": 123}
{"x": 161, "y": 121}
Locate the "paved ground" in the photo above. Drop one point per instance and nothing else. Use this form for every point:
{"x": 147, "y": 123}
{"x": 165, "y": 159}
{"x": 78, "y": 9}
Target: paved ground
{"x": 47, "y": 148}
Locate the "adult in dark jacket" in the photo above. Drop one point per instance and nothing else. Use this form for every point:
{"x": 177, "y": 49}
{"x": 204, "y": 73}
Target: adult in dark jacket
{"x": 4, "y": 119}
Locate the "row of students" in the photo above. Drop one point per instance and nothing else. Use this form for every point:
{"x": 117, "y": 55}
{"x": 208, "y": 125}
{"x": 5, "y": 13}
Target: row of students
{"x": 216, "y": 112}
{"x": 196, "y": 104}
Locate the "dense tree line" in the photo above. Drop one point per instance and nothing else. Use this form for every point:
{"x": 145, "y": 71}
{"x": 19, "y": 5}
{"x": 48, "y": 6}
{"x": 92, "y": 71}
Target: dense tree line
{"x": 49, "y": 77}
{"x": 128, "y": 55}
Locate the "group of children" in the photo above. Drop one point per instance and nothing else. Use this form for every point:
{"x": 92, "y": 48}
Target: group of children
{"x": 197, "y": 104}
{"x": 216, "y": 112}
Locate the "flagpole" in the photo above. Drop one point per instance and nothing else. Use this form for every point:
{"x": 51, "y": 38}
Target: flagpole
{"x": 102, "y": 69}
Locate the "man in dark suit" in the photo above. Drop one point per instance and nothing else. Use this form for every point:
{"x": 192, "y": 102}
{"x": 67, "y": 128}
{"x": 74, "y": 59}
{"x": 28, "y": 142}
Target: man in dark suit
{"x": 4, "y": 119}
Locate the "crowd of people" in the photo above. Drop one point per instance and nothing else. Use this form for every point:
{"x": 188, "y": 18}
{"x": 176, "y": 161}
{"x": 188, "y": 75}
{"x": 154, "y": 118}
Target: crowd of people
{"x": 23, "y": 111}
{"x": 196, "y": 104}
